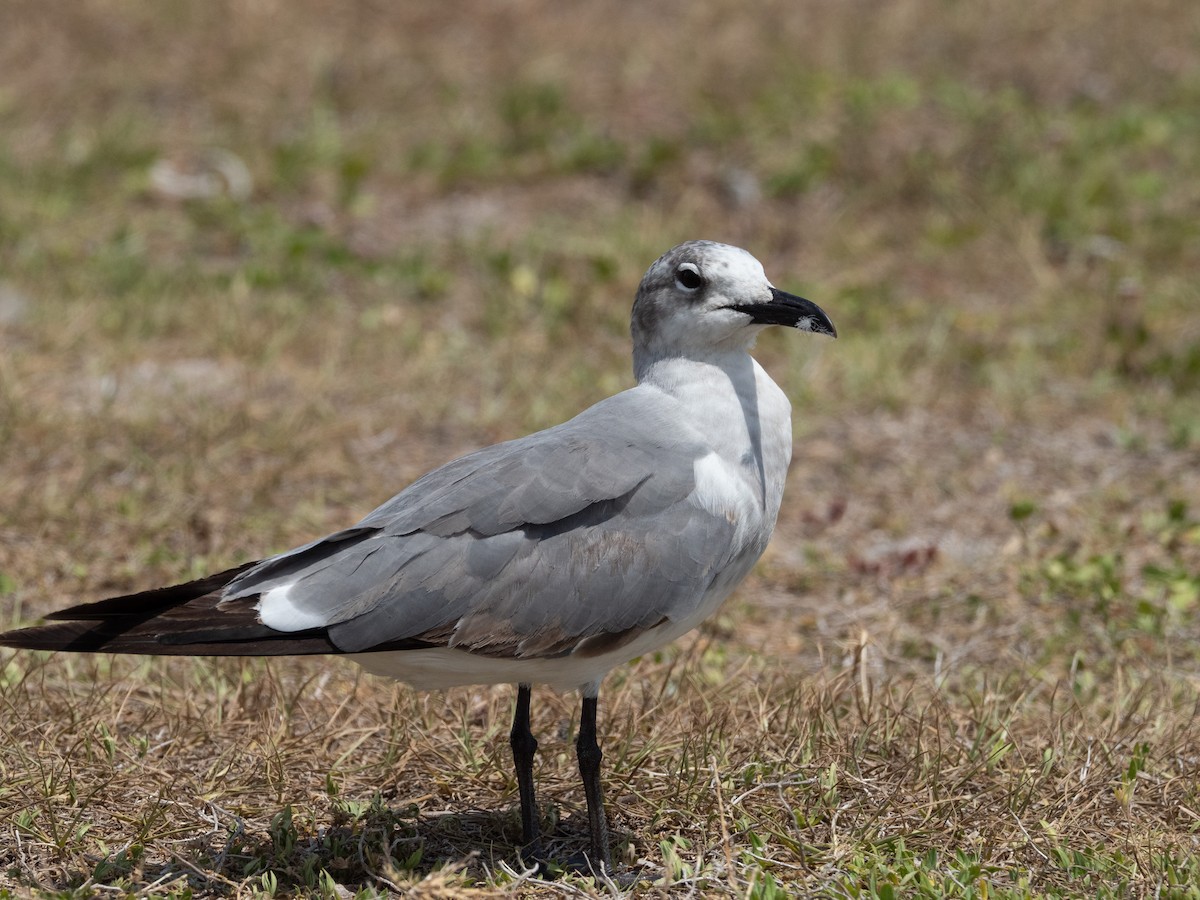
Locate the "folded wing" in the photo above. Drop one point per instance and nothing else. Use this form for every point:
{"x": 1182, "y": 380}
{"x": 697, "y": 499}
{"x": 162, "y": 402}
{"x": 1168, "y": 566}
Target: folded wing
{"x": 530, "y": 548}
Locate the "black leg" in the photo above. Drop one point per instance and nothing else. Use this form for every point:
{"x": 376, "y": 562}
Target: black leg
{"x": 524, "y": 745}
{"x": 588, "y": 751}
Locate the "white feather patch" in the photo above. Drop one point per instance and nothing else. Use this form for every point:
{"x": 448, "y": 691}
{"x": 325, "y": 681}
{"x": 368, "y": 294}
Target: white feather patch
{"x": 277, "y": 610}
{"x": 721, "y": 490}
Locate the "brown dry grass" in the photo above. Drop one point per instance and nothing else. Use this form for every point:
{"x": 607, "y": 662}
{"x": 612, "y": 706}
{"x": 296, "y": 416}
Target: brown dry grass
{"x": 968, "y": 664}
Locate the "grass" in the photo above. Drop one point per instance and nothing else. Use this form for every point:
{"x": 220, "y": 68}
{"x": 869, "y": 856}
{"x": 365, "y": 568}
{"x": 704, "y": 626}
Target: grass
{"x": 967, "y": 666}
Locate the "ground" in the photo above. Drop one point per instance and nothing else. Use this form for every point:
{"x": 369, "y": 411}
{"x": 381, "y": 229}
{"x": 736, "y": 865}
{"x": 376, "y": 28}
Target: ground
{"x": 263, "y": 264}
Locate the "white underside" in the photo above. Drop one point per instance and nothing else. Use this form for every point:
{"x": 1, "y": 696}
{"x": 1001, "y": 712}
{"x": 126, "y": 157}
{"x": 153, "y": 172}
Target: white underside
{"x": 445, "y": 667}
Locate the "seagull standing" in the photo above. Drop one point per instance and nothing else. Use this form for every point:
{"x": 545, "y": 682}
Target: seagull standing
{"x": 547, "y": 560}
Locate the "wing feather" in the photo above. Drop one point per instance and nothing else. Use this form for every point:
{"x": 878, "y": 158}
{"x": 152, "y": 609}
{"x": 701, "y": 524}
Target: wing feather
{"x": 525, "y": 548}
{"x": 574, "y": 537}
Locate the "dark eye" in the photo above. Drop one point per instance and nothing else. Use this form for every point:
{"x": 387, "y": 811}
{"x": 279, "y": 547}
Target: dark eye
{"x": 688, "y": 277}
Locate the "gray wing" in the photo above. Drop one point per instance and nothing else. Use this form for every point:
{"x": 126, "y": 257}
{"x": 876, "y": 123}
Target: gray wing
{"x": 584, "y": 531}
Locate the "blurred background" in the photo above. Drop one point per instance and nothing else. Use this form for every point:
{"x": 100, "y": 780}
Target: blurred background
{"x": 264, "y": 263}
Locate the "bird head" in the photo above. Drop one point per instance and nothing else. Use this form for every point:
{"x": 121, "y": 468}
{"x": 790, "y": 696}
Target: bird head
{"x": 703, "y": 298}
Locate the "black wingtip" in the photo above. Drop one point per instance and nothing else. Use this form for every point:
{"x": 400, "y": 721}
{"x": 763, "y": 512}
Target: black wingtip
{"x": 145, "y": 603}
{"x": 74, "y": 637}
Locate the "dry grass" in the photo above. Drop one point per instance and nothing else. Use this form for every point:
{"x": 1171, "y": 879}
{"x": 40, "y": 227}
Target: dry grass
{"x": 968, "y": 666}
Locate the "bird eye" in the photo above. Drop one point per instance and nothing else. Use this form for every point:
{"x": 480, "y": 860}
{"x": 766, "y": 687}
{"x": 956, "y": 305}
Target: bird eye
{"x": 688, "y": 277}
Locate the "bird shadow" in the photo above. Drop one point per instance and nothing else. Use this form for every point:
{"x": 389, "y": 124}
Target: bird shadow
{"x": 364, "y": 845}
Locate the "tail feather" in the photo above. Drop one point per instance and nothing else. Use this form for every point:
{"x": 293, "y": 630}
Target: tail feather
{"x": 180, "y": 620}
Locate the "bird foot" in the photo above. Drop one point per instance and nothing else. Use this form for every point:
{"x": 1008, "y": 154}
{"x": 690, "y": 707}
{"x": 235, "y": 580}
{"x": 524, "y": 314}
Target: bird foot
{"x": 550, "y": 868}
{"x": 586, "y": 864}
{"x": 534, "y": 854}
{"x": 581, "y": 863}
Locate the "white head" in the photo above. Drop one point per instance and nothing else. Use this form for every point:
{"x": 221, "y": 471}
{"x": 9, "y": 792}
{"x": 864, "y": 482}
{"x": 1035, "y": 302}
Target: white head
{"x": 702, "y": 298}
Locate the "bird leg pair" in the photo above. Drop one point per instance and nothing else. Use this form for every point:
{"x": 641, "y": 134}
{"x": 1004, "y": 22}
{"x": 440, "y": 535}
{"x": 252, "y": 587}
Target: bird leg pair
{"x": 587, "y": 751}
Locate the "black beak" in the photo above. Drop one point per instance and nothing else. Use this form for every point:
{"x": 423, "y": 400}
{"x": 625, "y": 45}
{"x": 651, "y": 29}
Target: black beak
{"x": 790, "y": 310}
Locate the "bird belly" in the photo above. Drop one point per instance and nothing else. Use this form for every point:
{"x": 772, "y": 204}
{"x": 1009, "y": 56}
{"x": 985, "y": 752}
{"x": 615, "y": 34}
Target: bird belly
{"x": 438, "y": 668}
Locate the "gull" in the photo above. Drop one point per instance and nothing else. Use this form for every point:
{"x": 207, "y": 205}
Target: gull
{"x": 546, "y": 560}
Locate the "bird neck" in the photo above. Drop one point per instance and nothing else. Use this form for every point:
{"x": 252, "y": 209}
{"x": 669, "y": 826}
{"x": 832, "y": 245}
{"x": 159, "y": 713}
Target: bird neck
{"x": 733, "y": 404}
{"x": 674, "y": 372}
